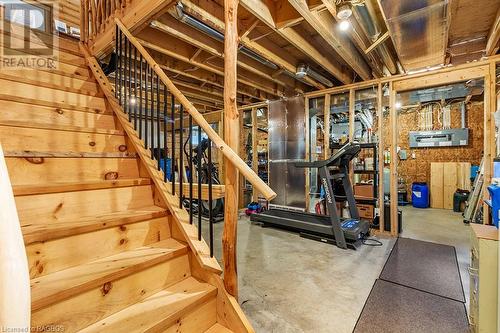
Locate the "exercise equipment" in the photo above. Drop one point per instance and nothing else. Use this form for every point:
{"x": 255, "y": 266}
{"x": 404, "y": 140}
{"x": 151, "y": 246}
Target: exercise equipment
{"x": 330, "y": 228}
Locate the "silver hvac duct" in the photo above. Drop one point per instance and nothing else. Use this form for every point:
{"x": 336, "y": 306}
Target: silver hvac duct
{"x": 366, "y": 15}
{"x": 206, "y": 29}
{"x": 304, "y": 70}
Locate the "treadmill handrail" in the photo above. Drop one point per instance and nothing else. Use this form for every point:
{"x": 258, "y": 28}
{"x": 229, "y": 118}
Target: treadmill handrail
{"x": 349, "y": 148}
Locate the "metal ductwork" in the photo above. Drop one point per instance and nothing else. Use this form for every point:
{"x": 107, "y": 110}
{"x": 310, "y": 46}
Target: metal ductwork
{"x": 419, "y": 31}
{"x": 367, "y": 17}
{"x": 206, "y": 29}
{"x": 304, "y": 70}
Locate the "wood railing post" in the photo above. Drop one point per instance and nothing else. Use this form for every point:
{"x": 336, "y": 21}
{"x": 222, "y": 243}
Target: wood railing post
{"x": 231, "y": 136}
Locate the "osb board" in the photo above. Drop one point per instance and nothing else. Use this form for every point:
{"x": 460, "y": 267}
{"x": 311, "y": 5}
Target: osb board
{"x": 418, "y": 169}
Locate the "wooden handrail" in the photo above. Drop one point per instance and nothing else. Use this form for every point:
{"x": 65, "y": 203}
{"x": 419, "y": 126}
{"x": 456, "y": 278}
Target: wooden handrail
{"x": 230, "y": 155}
{"x": 15, "y": 290}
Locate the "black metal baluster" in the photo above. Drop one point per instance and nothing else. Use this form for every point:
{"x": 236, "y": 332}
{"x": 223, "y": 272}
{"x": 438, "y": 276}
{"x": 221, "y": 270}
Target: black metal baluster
{"x": 191, "y": 173}
{"x": 119, "y": 67}
{"x": 210, "y": 217}
{"x": 152, "y": 130}
{"x": 135, "y": 88}
{"x": 165, "y": 128}
{"x": 199, "y": 158}
{"x": 125, "y": 61}
{"x": 146, "y": 105}
{"x": 158, "y": 151}
{"x": 140, "y": 97}
{"x": 172, "y": 153}
{"x": 129, "y": 78}
{"x": 181, "y": 157}
{"x": 117, "y": 60}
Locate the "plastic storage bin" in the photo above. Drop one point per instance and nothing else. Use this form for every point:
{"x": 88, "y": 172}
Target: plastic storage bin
{"x": 495, "y": 203}
{"x": 420, "y": 195}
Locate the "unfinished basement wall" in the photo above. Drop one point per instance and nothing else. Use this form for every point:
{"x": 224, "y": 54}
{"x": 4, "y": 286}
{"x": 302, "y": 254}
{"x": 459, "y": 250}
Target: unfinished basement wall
{"x": 418, "y": 169}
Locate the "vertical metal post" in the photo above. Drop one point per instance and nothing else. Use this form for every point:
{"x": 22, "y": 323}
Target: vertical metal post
{"x": 199, "y": 158}
{"x": 191, "y": 173}
{"x": 146, "y": 106}
{"x": 158, "y": 124}
{"x": 172, "y": 152}
{"x": 181, "y": 157}
{"x": 116, "y": 51}
{"x": 140, "y": 97}
{"x": 134, "y": 105}
{"x": 152, "y": 129}
{"x": 165, "y": 129}
{"x": 210, "y": 217}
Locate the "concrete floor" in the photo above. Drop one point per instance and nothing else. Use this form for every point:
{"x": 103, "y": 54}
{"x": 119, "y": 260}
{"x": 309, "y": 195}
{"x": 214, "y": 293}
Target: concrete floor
{"x": 291, "y": 284}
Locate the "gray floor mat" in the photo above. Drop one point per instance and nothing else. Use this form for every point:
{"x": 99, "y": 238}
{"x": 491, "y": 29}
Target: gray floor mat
{"x": 399, "y": 309}
{"x": 425, "y": 266}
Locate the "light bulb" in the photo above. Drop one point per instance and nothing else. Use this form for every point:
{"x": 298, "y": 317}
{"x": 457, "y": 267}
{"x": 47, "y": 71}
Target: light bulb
{"x": 344, "y": 25}
{"x": 133, "y": 101}
{"x": 398, "y": 105}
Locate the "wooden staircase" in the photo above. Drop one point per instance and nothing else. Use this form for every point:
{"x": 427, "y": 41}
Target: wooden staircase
{"x": 103, "y": 253}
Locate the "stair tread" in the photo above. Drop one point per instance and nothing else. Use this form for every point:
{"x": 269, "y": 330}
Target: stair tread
{"x": 52, "y": 288}
{"x": 78, "y": 186}
{"x": 218, "y": 328}
{"x": 158, "y": 311}
{"x": 43, "y": 232}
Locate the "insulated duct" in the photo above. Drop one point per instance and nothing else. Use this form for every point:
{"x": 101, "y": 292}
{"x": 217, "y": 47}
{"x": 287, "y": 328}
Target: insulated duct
{"x": 366, "y": 15}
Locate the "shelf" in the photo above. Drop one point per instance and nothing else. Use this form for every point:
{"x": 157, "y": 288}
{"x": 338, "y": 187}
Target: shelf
{"x": 365, "y": 172}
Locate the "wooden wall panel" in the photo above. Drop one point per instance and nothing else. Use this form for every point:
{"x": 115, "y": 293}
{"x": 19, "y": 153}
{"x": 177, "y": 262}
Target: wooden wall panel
{"x": 436, "y": 185}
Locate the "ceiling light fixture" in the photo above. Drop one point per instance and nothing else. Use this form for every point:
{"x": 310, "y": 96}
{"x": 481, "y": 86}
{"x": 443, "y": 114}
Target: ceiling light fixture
{"x": 344, "y": 11}
{"x": 344, "y": 25}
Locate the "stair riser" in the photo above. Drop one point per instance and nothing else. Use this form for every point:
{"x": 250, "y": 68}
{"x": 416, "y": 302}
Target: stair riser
{"x": 24, "y": 90}
{"x": 34, "y": 139}
{"x": 55, "y": 255}
{"x": 73, "y": 170}
{"x": 89, "y": 307}
{"x": 12, "y": 111}
{"x": 197, "y": 320}
{"x": 61, "y": 207}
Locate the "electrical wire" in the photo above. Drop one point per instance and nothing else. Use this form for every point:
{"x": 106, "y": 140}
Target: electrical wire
{"x": 370, "y": 241}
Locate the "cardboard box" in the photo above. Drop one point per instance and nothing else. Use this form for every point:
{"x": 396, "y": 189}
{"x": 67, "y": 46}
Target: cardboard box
{"x": 363, "y": 190}
{"x": 366, "y": 211}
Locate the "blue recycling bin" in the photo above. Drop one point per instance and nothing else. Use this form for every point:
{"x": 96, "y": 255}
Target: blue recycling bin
{"x": 420, "y": 195}
{"x": 495, "y": 203}
{"x": 166, "y": 166}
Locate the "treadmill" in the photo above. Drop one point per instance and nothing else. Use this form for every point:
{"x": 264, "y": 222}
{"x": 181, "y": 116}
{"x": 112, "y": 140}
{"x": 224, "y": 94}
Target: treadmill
{"x": 344, "y": 233}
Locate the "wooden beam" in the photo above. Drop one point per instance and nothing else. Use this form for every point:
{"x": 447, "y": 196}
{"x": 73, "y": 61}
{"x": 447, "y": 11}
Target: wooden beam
{"x": 172, "y": 26}
{"x": 15, "y": 299}
{"x": 181, "y": 51}
{"x": 381, "y": 164}
{"x": 379, "y": 41}
{"x": 325, "y": 24}
{"x": 264, "y": 13}
{"x": 231, "y": 136}
{"x": 266, "y": 49}
{"x": 493, "y": 37}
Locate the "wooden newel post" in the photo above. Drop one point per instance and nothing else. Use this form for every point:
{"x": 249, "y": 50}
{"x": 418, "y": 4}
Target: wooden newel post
{"x": 231, "y": 136}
